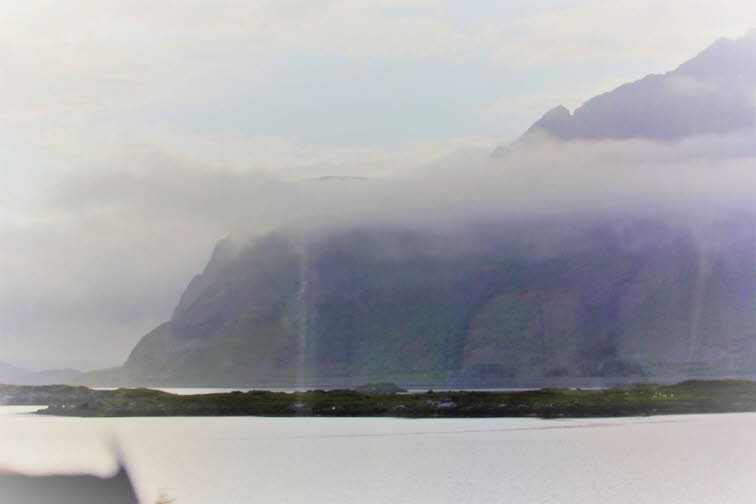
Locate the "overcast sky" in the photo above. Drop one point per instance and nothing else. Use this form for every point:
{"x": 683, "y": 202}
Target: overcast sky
{"x": 107, "y": 106}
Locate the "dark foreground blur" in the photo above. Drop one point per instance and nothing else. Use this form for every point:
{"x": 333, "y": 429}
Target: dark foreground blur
{"x": 67, "y": 489}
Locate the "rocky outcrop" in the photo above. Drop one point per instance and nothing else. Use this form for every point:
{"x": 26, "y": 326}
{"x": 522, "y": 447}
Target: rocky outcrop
{"x": 486, "y": 304}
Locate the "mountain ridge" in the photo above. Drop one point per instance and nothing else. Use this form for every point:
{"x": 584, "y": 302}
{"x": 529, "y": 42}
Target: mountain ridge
{"x": 494, "y": 301}
{"x": 357, "y": 312}
{"x": 712, "y": 93}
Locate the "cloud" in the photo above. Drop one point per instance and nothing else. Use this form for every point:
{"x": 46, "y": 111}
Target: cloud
{"x": 84, "y": 57}
{"x": 618, "y": 30}
{"x": 116, "y": 233}
{"x": 110, "y": 148}
{"x": 116, "y": 246}
{"x": 532, "y": 104}
{"x": 120, "y": 206}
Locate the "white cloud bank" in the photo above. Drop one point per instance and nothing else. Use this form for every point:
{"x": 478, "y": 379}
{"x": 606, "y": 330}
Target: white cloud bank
{"x": 82, "y": 56}
{"x": 119, "y": 245}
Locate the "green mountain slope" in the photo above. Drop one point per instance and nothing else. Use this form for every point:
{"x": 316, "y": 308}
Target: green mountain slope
{"x": 481, "y": 305}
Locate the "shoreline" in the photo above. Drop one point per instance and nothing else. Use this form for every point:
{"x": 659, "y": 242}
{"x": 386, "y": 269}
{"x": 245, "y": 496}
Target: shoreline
{"x": 688, "y": 397}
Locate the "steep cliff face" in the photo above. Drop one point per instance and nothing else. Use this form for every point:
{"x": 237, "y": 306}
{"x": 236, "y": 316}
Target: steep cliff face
{"x": 239, "y": 323}
{"x": 490, "y": 303}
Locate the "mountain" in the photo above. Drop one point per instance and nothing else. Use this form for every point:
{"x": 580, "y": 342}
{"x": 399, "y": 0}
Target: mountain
{"x": 492, "y": 300}
{"x": 10, "y": 373}
{"x": 48, "y": 377}
{"x": 616, "y": 298}
{"x": 713, "y": 93}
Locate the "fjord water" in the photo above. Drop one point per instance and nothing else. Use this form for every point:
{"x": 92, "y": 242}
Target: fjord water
{"x": 670, "y": 459}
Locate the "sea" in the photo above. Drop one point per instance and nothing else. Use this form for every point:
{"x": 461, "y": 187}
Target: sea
{"x": 707, "y": 459}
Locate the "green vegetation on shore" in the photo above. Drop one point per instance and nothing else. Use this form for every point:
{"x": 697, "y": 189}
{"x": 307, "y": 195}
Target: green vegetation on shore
{"x": 698, "y": 396}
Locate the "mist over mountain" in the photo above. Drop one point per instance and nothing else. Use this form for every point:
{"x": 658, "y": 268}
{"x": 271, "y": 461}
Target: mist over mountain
{"x": 624, "y": 297}
{"x": 618, "y": 241}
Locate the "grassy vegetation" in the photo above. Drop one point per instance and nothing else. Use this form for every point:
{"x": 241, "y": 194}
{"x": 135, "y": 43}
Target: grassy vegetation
{"x": 645, "y": 399}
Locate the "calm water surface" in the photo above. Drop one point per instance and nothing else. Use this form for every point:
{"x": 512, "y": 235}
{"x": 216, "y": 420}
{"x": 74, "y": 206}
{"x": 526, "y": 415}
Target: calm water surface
{"x": 673, "y": 459}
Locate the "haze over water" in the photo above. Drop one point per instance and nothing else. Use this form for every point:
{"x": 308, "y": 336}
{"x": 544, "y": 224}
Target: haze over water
{"x": 672, "y": 459}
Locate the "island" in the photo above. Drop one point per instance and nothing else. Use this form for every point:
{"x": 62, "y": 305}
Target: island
{"x": 692, "y": 396}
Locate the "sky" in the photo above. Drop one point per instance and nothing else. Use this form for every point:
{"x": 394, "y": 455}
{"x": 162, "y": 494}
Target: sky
{"x": 136, "y": 134}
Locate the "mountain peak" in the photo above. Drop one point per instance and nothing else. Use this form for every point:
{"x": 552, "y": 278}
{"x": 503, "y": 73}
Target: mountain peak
{"x": 553, "y": 121}
{"x": 725, "y": 57}
{"x": 710, "y": 94}
{"x": 558, "y": 112}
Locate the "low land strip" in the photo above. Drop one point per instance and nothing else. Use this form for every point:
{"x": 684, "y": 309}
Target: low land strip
{"x": 694, "y": 396}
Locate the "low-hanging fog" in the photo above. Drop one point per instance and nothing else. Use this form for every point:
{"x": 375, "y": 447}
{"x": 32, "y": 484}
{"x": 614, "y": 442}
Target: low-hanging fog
{"x": 127, "y": 241}
{"x": 138, "y": 135}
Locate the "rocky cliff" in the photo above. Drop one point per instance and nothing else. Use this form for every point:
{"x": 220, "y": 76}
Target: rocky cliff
{"x": 485, "y": 304}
